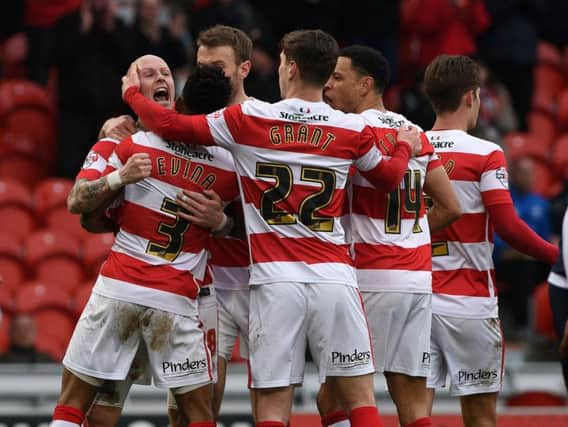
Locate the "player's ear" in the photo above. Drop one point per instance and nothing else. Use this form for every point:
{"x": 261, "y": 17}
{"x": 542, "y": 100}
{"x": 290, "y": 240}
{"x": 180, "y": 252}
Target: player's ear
{"x": 244, "y": 69}
{"x": 293, "y": 70}
{"x": 469, "y": 98}
{"x": 366, "y": 84}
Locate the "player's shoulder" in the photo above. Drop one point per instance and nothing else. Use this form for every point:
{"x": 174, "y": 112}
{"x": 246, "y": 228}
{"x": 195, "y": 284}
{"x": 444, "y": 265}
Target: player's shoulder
{"x": 295, "y": 110}
{"x": 386, "y": 119}
{"x": 222, "y": 158}
{"x": 460, "y": 141}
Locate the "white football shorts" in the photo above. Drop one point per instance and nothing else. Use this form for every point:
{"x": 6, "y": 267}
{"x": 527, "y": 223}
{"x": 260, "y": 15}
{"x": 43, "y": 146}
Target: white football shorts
{"x": 285, "y": 317}
{"x": 470, "y": 351}
{"x": 400, "y": 328}
{"x": 233, "y": 307}
{"x": 109, "y": 333}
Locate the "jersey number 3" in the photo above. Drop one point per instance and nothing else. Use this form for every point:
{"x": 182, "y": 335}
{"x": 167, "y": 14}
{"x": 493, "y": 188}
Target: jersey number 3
{"x": 281, "y": 190}
{"x": 174, "y": 232}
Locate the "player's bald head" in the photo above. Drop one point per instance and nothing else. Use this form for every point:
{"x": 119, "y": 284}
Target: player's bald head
{"x": 150, "y": 60}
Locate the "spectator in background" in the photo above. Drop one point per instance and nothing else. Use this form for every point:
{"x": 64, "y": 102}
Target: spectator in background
{"x": 496, "y": 115}
{"x": 92, "y": 49}
{"x": 22, "y": 342}
{"x": 509, "y": 48}
{"x": 519, "y": 272}
{"x": 415, "y": 106}
{"x": 151, "y": 37}
{"x": 262, "y": 82}
{"x": 434, "y": 27}
{"x": 40, "y": 19}
{"x": 13, "y": 44}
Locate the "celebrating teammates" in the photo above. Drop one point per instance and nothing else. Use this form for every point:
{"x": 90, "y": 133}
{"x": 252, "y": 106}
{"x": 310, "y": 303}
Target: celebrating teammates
{"x": 294, "y": 164}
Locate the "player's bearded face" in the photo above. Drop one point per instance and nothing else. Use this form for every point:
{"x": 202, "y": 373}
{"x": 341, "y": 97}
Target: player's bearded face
{"x": 156, "y": 81}
{"x": 341, "y": 89}
{"x": 224, "y": 58}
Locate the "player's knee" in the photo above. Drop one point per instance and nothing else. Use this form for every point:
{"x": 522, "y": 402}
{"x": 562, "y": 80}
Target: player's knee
{"x": 103, "y": 416}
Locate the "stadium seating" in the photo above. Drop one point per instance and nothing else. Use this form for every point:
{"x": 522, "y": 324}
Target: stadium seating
{"x": 543, "y": 127}
{"x": 16, "y": 215}
{"x": 12, "y": 267}
{"x": 549, "y": 81}
{"x": 560, "y": 156}
{"x": 54, "y": 256}
{"x": 49, "y": 194}
{"x": 519, "y": 144}
{"x": 96, "y": 248}
{"x": 563, "y": 110}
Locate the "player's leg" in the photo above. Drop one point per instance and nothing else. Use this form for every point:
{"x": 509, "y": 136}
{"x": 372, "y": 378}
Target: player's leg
{"x": 400, "y": 326}
{"x": 341, "y": 346}
{"x": 474, "y": 357}
{"x": 330, "y": 408}
{"x": 277, "y": 344}
{"x": 559, "y": 304}
{"x": 479, "y": 410}
{"x": 228, "y": 332}
{"x": 102, "y": 347}
{"x": 180, "y": 361}
{"x": 438, "y": 366}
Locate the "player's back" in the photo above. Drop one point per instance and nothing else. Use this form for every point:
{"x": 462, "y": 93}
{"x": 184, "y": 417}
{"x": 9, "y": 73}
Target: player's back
{"x": 390, "y": 231}
{"x": 156, "y": 249}
{"x": 463, "y": 274}
{"x": 293, "y": 158}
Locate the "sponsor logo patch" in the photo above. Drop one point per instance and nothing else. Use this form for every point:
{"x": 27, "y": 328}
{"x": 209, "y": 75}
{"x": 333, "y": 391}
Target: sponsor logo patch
{"x": 349, "y": 360}
{"x": 183, "y": 368}
{"x": 92, "y": 158}
{"x": 477, "y": 377}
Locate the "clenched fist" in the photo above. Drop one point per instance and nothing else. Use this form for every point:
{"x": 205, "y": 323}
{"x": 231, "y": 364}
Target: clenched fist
{"x": 137, "y": 167}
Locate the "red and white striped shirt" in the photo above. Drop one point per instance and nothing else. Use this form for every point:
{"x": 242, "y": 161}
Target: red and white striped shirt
{"x": 96, "y": 160}
{"x": 390, "y": 231}
{"x": 230, "y": 257}
{"x": 158, "y": 259}
{"x": 462, "y": 265}
{"x": 293, "y": 159}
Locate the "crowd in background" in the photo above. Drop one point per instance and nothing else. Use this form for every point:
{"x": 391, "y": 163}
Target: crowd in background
{"x": 80, "y": 49}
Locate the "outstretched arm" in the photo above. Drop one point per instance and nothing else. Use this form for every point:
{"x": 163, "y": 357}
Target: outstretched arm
{"x": 515, "y": 232}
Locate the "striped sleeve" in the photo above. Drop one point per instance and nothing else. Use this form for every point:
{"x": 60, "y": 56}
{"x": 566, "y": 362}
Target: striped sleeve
{"x": 494, "y": 181}
{"x": 224, "y": 125}
{"x": 96, "y": 160}
{"x": 119, "y": 156}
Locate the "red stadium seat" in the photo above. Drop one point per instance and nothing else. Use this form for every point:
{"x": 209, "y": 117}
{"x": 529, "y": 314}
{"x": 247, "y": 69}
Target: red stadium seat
{"x": 22, "y": 160}
{"x": 96, "y": 248}
{"x": 22, "y": 93}
{"x": 6, "y": 300}
{"x": 525, "y": 145}
{"x": 60, "y": 219}
{"x": 546, "y": 182}
{"x": 36, "y": 124}
{"x": 16, "y": 215}
{"x": 12, "y": 267}
{"x": 51, "y": 193}
{"x": 54, "y": 256}
{"x": 548, "y": 82}
{"x": 563, "y": 110}
{"x": 32, "y": 297}
{"x": 4, "y": 332}
{"x": 543, "y": 127}
{"x": 560, "y": 155}
{"x": 52, "y": 347}
{"x": 542, "y": 313}
{"x": 55, "y": 324}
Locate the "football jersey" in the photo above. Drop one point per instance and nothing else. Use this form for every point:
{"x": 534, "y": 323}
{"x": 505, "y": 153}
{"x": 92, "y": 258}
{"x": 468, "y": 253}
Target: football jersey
{"x": 96, "y": 160}
{"x": 462, "y": 265}
{"x": 158, "y": 259}
{"x": 391, "y": 238}
{"x": 293, "y": 158}
{"x": 230, "y": 258}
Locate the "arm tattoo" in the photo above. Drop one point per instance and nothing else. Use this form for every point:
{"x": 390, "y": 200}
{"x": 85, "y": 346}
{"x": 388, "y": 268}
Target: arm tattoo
{"x": 86, "y": 196}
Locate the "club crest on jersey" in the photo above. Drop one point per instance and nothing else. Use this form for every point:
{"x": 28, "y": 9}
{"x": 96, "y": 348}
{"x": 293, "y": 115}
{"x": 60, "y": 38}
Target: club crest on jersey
{"x": 92, "y": 158}
{"x": 305, "y": 110}
{"x": 502, "y": 176}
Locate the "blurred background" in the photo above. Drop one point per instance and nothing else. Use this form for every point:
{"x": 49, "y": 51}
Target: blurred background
{"x": 60, "y": 68}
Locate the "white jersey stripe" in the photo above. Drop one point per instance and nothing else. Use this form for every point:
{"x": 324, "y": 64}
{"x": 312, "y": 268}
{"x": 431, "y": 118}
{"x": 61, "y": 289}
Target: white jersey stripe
{"x": 472, "y": 256}
{"x": 372, "y": 230}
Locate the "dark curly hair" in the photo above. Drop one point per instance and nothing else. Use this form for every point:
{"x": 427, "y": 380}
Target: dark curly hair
{"x": 206, "y": 90}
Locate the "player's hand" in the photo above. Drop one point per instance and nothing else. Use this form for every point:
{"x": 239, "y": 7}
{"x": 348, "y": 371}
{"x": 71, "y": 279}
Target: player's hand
{"x": 137, "y": 167}
{"x": 564, "y": 343}
{"x": 119, "y": 127}
{"x": 411, "y": 135}
{"x": 203, "y": 209}
{"x": 131, "y": 78}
